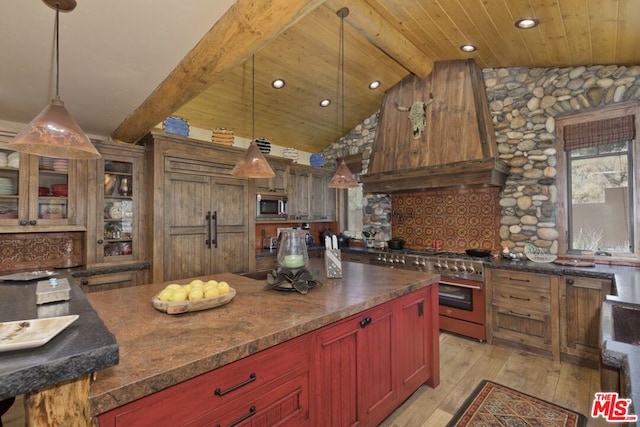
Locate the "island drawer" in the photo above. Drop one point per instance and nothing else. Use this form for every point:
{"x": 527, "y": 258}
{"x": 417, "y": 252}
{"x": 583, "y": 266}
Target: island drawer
{"x": 203, "y": 394}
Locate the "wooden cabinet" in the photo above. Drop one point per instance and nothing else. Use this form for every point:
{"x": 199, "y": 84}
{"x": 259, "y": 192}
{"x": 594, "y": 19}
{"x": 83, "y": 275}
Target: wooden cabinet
{"x": 201, "y": 212}
{"x": 323, "y": 200}
{"x": 309, "y": 196}
{"x": 277, "y": 184}
{"x": 105, "y": 282}
{"x": 264, "y": 263}
{"x": 117, "y": 206}
{"x": 523, "y": 310}
{"x": 40, "y": 193}
{"x": 362, "y": 368}
{"x": 580, "y": 304}
{"x": 268, "y": 388}
{"x": 299, "y": 192}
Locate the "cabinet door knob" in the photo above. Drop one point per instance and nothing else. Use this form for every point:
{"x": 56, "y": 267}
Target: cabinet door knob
{"x": 33, "y": 222}
{"x": 570, "y": 281}
{"x": 100, "y": 241}
{"x": 84, "y": 282}
{"x": 24, "y": 222}
{"x": 364, "y": 322}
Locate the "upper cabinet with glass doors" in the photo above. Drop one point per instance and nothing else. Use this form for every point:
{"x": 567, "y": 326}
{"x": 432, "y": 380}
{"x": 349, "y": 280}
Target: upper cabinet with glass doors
{"x": 114, "y": 232}
{"x": 38, "y": 193}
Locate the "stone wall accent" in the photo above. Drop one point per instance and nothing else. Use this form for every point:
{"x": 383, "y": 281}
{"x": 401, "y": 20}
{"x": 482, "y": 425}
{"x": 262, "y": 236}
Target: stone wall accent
{"x": 524, "y": 103}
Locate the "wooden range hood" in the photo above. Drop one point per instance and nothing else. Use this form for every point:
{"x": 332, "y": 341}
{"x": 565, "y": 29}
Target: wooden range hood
{"x": 457, "y": 147}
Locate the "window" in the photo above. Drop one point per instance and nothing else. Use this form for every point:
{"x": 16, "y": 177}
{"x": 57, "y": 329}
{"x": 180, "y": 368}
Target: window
{"x": 596, "y": 176}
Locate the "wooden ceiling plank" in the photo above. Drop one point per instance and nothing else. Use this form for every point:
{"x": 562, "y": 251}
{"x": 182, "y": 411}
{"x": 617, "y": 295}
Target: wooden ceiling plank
{"x": 553, "y": 30}
{"x": 628, "y": 34}
{"x": 247, "y": 27}
{"x": 604, "y": 29}
{"x": 382, "y": 34}
{"x": 575, "y": 14}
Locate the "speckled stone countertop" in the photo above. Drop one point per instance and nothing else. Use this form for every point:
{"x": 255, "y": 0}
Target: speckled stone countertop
{"x": 83, "y": 347}
{"x": 158, "y": 350}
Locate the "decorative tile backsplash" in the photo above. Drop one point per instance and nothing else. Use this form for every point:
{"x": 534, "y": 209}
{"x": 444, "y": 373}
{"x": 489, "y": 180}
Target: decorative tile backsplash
{"x": 461, "y": 219}
{"x": 40, "y": 250}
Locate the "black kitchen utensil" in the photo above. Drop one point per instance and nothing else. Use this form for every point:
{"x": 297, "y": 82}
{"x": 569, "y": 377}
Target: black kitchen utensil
{"x": 478, "y": 253}
{"x": 395, "y": 244}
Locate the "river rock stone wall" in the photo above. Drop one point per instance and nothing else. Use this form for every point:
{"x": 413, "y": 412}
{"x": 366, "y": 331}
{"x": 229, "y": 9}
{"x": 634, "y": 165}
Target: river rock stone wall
{"x": 524, "y": 103}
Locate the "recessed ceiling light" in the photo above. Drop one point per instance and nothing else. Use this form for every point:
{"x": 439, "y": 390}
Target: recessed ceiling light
{"x": 278, "y": 83}
{"x": 526, "y": 23}
{"x": 374, "y": 84}
{"x": 468, "y": 48}
{"x": 325, "y": 102}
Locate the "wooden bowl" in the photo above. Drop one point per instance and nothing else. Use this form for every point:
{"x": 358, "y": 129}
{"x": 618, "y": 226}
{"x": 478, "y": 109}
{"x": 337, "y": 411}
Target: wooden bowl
{"x": 197, "y": 305}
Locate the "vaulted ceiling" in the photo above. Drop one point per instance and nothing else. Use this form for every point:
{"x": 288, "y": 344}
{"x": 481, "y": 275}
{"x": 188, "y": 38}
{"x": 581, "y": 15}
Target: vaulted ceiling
{"x": 126, "y": 65}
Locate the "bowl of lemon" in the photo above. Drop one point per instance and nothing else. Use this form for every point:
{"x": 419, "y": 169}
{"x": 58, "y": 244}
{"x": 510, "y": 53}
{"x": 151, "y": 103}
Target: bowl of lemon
{"x": 196, "y": 295}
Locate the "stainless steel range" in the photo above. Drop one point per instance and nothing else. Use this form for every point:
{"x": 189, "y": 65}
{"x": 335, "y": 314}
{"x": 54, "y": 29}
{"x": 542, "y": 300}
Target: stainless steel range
{"x": 461, "y": 286}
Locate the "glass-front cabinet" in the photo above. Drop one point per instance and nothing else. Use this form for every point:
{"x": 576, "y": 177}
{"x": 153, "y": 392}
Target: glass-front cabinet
{"x": 114, "y": 229}
{"x": 37, "y": 192}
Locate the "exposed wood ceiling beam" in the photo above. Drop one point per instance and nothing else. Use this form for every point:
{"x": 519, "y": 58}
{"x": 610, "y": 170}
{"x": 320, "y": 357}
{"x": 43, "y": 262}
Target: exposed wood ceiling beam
{"x": 386, "y": 37}
{"x": 246, "y": 28}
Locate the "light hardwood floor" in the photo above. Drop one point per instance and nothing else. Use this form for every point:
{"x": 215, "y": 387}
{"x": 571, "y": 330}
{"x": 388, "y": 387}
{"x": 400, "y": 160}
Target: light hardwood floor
{"x": 463, "y": 364}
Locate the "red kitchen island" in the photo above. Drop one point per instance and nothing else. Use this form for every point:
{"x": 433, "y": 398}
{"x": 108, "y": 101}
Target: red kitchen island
{"x": 350, "y": 351}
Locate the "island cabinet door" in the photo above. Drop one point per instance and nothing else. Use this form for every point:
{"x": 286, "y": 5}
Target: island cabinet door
{"x": 417, "y": 353}
{"x": 354, "y": 370}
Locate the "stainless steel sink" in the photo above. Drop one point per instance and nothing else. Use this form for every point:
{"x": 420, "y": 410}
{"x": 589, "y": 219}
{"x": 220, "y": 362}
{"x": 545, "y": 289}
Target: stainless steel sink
{"x": 626, "y": 323}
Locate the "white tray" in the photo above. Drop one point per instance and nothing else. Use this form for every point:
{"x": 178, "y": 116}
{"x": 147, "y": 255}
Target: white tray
{"x": 29, "y": 275}
{"x": 21, "y": 334}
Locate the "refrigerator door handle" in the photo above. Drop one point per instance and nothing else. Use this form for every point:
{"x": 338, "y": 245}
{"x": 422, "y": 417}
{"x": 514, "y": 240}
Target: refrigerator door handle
{"x": 208, "y": 219}
{"x": 214, "y": 217}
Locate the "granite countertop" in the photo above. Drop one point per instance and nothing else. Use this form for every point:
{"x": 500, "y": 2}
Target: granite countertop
{"x": 83, "y": 347}
{"x": 159, "y": 350}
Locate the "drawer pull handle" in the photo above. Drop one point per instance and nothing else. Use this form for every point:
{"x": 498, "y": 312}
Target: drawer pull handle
{"x": 251, "y": 413}
{"x": 515, "y": 313}
{"x": 520, "y": 298}
{"x": 364, "y": 322}
{"x": 220, "y": 392}
{"x": 515, "y": 279}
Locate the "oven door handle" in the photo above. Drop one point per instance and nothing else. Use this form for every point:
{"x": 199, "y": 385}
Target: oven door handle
{"x": 461, "y": 285}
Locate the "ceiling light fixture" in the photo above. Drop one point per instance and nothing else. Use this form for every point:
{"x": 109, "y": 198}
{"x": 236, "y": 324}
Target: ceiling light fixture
{"x": 278, "y": 83}
{"x": 526, "y": 23}
{"x": 53, "y": 132}
{"x": 374, "y": 84}
{"x": 468, "y": 48}
{"x": 325, "y": 102}
{"x": 343, "y": 178}
{"x": 253, "y": 164}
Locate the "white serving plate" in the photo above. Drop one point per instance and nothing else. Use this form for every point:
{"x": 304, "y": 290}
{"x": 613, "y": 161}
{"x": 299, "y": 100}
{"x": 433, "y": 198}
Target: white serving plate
{"x": 22, "y": 334}
{"x": 29, "y": 275}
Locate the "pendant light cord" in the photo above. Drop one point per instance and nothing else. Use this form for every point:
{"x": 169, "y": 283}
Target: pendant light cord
{"x": 57, "y": 51}
{"x": 342, "y": 69}
{"x": 253, "y": 97}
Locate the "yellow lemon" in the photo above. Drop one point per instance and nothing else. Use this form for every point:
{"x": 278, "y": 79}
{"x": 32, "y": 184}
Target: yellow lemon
{"x": 196, "y": 294}
{"x": 173, "y": 286}
{"x": 188, "y": 287}
{"x": 197, "y": 281}
{"x": 223, "y": 287}
{"x": 165, "y": 295}
{"x": 211, "y": 292}
{"x": 211, "y": 282}
{"x": 179, "y": 295}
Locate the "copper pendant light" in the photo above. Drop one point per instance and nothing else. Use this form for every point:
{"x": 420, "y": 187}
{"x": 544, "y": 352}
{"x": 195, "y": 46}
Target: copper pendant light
{"x": 253, "y": 164}
{"x": 53, "y": 132}
{"x": 343, "y": 178}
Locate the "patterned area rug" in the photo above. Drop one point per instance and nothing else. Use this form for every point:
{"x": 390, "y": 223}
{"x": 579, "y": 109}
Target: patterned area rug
{"x": 493, "y": 405}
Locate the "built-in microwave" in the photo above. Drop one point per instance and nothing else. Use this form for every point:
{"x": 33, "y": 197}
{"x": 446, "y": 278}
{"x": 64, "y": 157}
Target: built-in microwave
{"x": 270, "y": 206}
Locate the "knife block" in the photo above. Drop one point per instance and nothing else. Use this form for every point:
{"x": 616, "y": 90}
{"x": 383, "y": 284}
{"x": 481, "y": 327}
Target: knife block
{"x": 333, "y": 263}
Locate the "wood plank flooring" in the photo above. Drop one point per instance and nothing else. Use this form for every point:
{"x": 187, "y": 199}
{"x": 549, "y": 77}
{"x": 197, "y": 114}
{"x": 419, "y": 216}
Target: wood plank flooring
{"x": 463, "y": 364}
